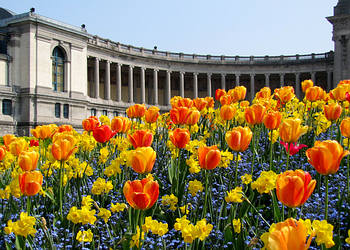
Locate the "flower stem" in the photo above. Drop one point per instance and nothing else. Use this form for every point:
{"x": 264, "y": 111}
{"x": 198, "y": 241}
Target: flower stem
{"x": 326, "y": 201}
{"x": 28, "y": 205}
{"x": 271, "y": 148}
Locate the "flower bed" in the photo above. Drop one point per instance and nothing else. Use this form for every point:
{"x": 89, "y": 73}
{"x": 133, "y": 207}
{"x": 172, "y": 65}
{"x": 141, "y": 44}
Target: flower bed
{"x": 272, "y": 174}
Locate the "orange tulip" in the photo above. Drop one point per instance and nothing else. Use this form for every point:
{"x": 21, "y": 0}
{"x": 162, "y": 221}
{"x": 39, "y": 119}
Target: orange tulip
{"x": 63, "y": 146}
{"x": 347, "y": 81}
{"x": 136, "y": 111}
{"x": 141, "y": 138}
{"x": 103, "y": 133}
{"x": 30, "y": 182}
{"x": 152, "y": 114}
{"x": 90, "y": 123}
{"x": 184, "y": 102}
{"x": 28, "y": 160}
{"x": 264, "y": 93}
{"x": 179, "y": 115}
{"x": 244, "y": 104}
{"x": 226, "y": 99}
{"x": 120, "y": 124}
{"x": 141, "y": 194}
{"x": 293, "y": 188}
{"x": 2, "y": 152}
{"x": 227, "y": 112}
{"x": 43, "y": 132}
{"x": 284, "y": 94}
{"x": 272, "y": 120}
{"x": 17, "y": 146}
{"x": 332, "y": 111}
{"x": 315, "y": 93}
{"x": 209, "y": 157}
{"x": 180, "y": 137}
{"x": 143, "y": 159}
{"x": 339, "y": 93}
{"x": 8, "y": 139}
{"x": 255, "y": 114}
{"x": 326, "y": 156}
{"x": 345, "y": 127}
{"x": 291, "y": 130}
{"x": 238, "y": 93}
{"x": 306, "y": 84}
{"x": 239, "y": 138}
{"x": 192, "y": 117}
{"x": 219, "y": 93}
{"x": 200, "y": 103}
{"x": 210, "y": 101}
{"x": 287, "y": 235}
{"x": 65, "y": 128}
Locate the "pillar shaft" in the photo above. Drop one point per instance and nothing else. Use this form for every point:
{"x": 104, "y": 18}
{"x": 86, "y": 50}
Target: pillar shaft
{"x": 168, "y": 88}
{"x": 267, "y": 80}
{"x": 329, "y": 80}
{"x": 282, "y": 79}
{"x": 209, "y": 84}
{"x": 97, "y": 77}
{"x": 223, "y": 81}
{"x": 155, "y": 86}
{"x": 131, "y": 84}
{"x": 252, "y": 86}
{"x": 195, "y": 85}
{"x": 237, "y": 79}
{"x": 119, "y": 82}
{"x": 313, "y": 77}
{"x": 182, "y": 84}
{"x": 297, "y": 84}
{"x": 108, "y": 81}
{"x": 143, "y": 85}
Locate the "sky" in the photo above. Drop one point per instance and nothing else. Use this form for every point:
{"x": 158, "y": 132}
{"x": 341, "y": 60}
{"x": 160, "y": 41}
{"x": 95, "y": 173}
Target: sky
{"x": 221, "y": 27}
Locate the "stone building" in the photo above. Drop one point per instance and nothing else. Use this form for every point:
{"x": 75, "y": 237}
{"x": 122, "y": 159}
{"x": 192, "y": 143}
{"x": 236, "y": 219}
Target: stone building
{"x": 53, "y": 72}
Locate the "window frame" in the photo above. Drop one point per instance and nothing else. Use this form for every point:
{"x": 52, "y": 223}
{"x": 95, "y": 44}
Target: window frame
{"x": 7, "y": 107}
{"x": 66, "y": 111}
{"x": 58, "y": 62}
{"x": 58, "y": 110}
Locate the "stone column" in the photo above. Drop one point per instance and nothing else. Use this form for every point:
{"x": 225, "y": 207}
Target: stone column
{"x": 119, "y": 82}
{"x": 209, "y": 84}
{"x": 155, "y": 86}
{"x": 97, "y": 77}
{"x": 297, "y": 84}
{"x": 329, "y": 80}
{"x": 131, "y": 84}
{"x": 195, "y": 85}
{"x": 223, "y": 81}
{"x": 313, "y": 77}
{"x": 108, "y": 81}
{"x": 252, "y": 86}
{"x": 168, "y": 88}
{"x": 182, "y": 84}
{"x": 143, "y": 85}
{"x": 237, "y": 79}
{"x": 267, "y": 80}
{"x": 282, "y": 79}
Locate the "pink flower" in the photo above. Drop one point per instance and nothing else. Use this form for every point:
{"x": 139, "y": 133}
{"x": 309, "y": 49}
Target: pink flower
{"x": 292, "y": 148}
{"x": 347, "y": 96}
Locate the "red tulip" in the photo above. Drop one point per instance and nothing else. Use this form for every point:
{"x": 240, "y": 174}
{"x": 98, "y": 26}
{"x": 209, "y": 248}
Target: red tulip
{"x": 103, "y": 133}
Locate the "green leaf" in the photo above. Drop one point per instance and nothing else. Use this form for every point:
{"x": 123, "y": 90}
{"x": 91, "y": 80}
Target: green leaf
{"x": 172, "y": 171}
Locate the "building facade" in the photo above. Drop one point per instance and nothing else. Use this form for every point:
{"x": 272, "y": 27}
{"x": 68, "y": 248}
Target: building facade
{"x": 52, "y": 72}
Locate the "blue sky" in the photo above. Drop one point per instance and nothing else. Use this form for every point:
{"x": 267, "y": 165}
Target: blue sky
{"x": 221, "y": 27}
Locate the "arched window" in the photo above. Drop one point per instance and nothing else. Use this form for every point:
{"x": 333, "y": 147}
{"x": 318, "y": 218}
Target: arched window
{"x": 58, "y": 69}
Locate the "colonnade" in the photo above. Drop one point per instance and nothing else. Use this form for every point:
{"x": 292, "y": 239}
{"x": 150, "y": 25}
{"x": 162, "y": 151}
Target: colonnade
{"x": 181, "y": 87}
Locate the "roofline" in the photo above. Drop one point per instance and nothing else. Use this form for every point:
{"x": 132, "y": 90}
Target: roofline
{"x": 33, "y": 17}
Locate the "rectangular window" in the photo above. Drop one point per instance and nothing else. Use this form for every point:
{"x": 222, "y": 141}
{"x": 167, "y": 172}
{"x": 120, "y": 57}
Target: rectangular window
{"x": 57, "y": 110}
{"x": 93, "y": 112}
{"x": 115, "y": 113}
{"x": 66, "y": 111}
{"x": 7, "y": 107}
{"x": 104, "y": 112}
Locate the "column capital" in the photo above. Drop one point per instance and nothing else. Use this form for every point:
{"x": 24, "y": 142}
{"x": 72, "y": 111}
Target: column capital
{"x": 238, "y": 74}
{"x": 131, "y": 66}
{"x": 223, "y": 74}
{"x": 168, "y": 71}
{"x": 252, "y": 74}
{"x": 267, "y": 74}
{"x": 195, "y": 73}
{"x": 182, "y": 72}
{"x": 155, "y": 70}
{"x": 108, "y": 61}
{"x": 282, "y": 74}
{"x": 209, "y": 74}
{"x": 97, "y": 59}
{"x": 297, "y": 73}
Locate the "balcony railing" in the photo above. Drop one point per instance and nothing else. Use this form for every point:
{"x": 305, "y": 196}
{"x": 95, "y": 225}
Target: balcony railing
{"x": 95, "y": 40}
